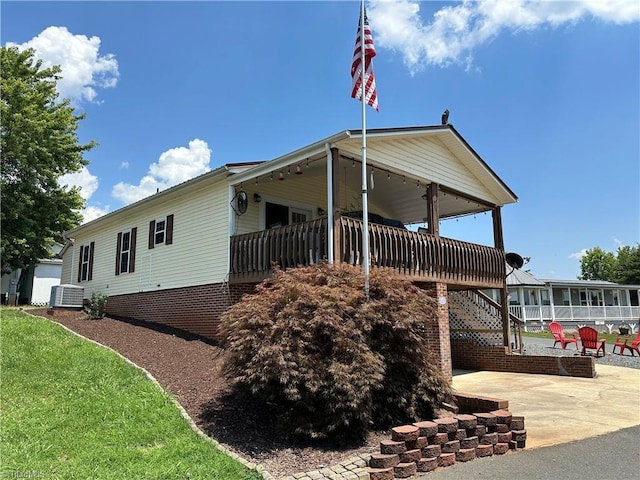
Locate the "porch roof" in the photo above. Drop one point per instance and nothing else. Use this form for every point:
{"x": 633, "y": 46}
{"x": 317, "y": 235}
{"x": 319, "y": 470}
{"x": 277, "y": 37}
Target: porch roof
{"x": 520, "y": 278}
{"x": 412, "y": 156}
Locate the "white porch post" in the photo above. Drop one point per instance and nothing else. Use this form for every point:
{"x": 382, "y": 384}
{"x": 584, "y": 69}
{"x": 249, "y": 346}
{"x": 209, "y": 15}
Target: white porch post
{"x": 330, "y": 226}
{"x": 231, "y": 225}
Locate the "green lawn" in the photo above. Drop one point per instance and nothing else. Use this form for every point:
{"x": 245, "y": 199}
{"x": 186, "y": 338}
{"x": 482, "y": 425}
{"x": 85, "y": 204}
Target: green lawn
{"x": 70, "y": 409}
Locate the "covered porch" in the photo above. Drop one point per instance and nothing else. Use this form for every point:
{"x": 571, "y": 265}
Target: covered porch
{"x": 306, "y": 207}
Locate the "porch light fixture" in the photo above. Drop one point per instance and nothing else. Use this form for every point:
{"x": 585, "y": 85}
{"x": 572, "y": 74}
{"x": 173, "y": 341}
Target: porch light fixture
{"x": 298, "y": 170}
{"x": 271, "y": 176}
{"x": 281, "y": 176}
{"x": 257, "y": 198}
{"x": 288, "y": 170}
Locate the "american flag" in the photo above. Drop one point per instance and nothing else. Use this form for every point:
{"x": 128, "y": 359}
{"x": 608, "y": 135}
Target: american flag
{"x": 371, "y": 95}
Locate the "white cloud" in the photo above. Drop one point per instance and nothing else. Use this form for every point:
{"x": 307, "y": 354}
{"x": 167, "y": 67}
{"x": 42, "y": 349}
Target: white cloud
{"x": 174, "y": 166}
{"x": 84, "y": 180}
{"x": 87, "y": 184}
{"x": 124, "y": 165}
{"x": 618, "y": 243}
{"x": 83, "y": 68}
{"x": 92, "y": 212}
{"x": 455, "y": 31}
{"x": 579, "y": 255}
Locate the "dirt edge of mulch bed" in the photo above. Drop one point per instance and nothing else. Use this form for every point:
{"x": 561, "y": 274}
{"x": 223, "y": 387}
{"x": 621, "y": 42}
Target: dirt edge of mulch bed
{"x": 190, "y": 368}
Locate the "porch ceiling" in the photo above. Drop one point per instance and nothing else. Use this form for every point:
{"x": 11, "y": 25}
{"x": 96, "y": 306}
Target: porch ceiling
{"x": 397, "y": 196}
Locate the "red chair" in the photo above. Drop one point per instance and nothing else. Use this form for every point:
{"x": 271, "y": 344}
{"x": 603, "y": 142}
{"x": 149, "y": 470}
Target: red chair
{"x": 633, "y": 347}
{"x": 558, "y": 335}
{"x": 589, "y": 340}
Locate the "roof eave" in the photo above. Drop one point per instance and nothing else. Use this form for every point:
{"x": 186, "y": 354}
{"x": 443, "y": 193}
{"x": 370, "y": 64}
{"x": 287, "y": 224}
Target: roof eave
{"x": 287, "y": 159}
{"x": 151, "y": 198}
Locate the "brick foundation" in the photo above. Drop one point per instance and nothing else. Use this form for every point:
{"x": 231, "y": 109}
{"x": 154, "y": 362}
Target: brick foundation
{"x": 467, "y": 355}
{"x": 195, "y": 310}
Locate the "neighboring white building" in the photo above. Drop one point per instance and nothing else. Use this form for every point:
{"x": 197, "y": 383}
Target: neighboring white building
{"x": 35, "y": 286}
{"x": 571, "y": 302}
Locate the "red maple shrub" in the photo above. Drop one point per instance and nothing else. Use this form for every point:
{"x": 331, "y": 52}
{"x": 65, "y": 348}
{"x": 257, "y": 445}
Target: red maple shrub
{"x": 309, "y": 340}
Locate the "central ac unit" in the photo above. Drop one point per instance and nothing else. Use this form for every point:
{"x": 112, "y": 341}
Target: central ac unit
{"x": 66, "y": 296}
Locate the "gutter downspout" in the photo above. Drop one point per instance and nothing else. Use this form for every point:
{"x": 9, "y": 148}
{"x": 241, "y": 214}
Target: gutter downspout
{"x": 73, "y": 259}
{"x": 330, "y": 229}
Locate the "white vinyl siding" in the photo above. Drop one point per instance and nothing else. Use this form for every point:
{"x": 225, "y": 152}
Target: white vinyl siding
{"x": 199, "y": 250}
{"x": 283, "y": 193}
{"x": 68, "y": 266}
{"x": 409, "y": 154}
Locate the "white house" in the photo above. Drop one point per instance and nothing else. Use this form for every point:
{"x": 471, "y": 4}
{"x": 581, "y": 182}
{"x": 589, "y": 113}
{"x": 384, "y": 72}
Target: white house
{"x": 181, "y": 257}
{"x": 572, "y": 302}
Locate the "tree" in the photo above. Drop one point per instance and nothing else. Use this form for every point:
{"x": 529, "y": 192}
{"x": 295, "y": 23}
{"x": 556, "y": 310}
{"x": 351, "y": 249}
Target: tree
{"x": 628, "y": 265}
{"x": 597, "y": 264}
{"x": 333, "y": 362}
{"x": 39, "y": 144}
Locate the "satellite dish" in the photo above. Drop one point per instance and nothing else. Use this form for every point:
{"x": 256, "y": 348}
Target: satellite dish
{"x": 514, "y": 260}
{"x": 241, "y": 202}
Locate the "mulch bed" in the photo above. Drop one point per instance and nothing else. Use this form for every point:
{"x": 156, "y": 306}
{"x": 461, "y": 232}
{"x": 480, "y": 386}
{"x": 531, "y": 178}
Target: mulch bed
{"x": 191, "y": 369}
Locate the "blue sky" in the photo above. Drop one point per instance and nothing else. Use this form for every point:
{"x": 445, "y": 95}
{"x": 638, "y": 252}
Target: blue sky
{"x": 546, "y": 92}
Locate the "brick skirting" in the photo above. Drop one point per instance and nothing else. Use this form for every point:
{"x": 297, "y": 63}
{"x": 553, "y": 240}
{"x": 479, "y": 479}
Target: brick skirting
{"x": 195, "y": 310}
{"x": 467, "y": 355}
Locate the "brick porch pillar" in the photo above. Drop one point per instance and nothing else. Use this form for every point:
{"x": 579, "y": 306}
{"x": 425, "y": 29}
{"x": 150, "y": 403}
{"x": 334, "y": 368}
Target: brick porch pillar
{"x": 439, "y": 338}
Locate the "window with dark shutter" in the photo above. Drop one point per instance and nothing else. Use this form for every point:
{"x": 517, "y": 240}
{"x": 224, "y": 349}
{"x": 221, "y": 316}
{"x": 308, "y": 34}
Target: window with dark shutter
{"x": 161, "y": 231}
{"x": 132, "y": 250}
{"x": 92, "y": 247}
{"x": 169, "y": 236}
{"x": 126, "y": 251}
{"x": 85, "y": 265}
{"x": 118, "y": 251}
{"x": 80, "y": 264}
{"x": 152, "y": 234}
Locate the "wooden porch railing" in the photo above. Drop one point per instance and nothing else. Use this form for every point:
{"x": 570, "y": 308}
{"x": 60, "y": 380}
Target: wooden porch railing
{"x": 419, "y": 256}
{"x": 252, "y": 254}
{"x": 423, "y": 257}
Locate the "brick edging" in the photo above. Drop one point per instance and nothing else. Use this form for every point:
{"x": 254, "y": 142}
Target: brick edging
{"x": 426, "y": 446}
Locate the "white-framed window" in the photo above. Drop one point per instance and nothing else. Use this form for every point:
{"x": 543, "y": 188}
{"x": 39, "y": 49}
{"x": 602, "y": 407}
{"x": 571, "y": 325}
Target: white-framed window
{"x": 125, "y": 251}
{"x": 299, "y": 215}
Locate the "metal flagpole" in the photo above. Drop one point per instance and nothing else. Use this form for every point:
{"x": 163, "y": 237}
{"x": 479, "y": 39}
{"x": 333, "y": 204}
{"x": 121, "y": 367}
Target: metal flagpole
{"x": 365, "y": 206}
